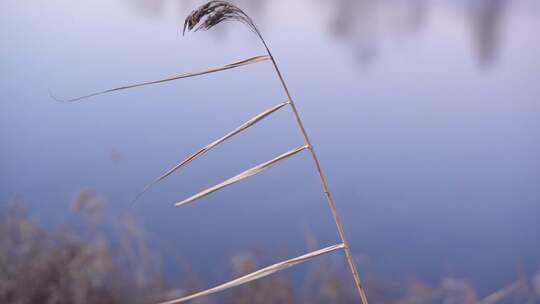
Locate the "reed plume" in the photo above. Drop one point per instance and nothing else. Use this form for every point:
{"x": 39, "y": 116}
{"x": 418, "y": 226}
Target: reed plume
{"x": 215, "y": 12}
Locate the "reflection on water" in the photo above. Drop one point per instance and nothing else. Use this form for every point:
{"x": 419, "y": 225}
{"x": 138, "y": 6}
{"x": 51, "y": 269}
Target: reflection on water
{"x": 486, "y": 21}
{"x": 362, "y": 24}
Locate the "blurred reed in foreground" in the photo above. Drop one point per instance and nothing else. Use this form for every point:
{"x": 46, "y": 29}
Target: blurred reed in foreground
{"x": 74, "y": 263}
{"x": 96, "y": 260}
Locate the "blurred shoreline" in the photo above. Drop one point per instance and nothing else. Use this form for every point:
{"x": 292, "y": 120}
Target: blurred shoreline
{"x": 84, "y": 263}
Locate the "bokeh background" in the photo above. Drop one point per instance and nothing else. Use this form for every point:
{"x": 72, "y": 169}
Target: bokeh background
{"x": 425, "y": 115}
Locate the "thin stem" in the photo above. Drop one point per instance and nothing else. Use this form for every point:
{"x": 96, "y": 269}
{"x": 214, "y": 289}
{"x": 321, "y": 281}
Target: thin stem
{"x": 326, "y": 189}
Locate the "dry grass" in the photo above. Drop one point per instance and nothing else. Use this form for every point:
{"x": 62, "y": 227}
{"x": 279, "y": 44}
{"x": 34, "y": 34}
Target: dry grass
{"x": 75, "y": 264}
{"x": 248, "y": 173}
{"x": 204, "y": 18}
{"x": 213, "y": 144}
{"x": 181, "y": 76}
{"x": 80, "y": 265}
{"x": 258, "y": 274}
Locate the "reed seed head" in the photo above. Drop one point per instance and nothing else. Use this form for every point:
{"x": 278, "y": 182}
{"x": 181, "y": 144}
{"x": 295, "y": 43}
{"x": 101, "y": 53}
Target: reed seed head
{"x": 214, "y": 12}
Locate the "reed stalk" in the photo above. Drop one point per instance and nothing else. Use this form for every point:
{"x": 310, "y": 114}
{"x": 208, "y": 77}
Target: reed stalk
{"x": 204, "y": 18}
{"x": 213, "y": 13}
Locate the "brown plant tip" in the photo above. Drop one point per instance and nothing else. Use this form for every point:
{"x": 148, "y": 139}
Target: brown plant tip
{"x": 214, "y": 12}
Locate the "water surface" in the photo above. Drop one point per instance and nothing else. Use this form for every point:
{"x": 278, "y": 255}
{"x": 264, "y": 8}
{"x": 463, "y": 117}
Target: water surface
{"x": 425, "y": 115}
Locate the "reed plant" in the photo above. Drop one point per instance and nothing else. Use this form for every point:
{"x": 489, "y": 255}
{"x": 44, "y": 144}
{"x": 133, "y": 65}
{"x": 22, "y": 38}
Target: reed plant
{"x": 205, "y": 18}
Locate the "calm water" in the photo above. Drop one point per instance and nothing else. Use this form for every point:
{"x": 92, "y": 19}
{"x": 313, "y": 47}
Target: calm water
{"x": 425, "y": 115}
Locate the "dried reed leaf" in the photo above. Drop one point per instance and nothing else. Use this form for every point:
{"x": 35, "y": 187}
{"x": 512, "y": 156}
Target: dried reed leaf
{"x": 259, "y": 274}
{"x": 186, "y": 75}
{"x": 207, "y": 148}
{"x": 253, "y": 171}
